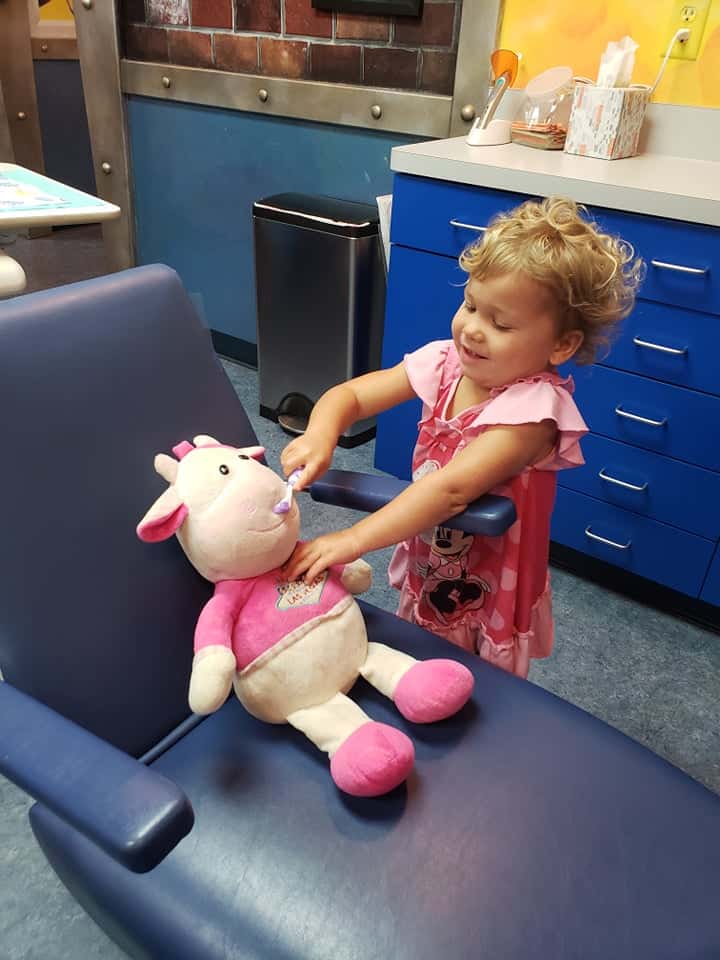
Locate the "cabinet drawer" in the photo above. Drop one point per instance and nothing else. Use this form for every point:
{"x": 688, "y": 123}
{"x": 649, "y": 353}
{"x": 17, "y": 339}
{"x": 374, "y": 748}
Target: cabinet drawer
{"x": 653, "y": 550}
{"x": 667, "y": 343}
{"x": 711, "y": 588}
{"x": 682, "y": 259}
{"x": 423, "y": 212}
{"x": 649, "y": 484}
{"x": 671, "y": 420}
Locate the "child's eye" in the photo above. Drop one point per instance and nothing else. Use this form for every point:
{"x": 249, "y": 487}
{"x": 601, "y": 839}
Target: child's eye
{"x": 500, "y": 326}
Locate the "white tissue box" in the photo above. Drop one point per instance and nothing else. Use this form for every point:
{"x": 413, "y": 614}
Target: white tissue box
{"x": 605, "y": 122}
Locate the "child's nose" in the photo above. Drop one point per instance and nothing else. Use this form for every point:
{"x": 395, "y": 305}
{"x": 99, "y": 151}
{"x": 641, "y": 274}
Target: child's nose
{"x": 475, "y": 327}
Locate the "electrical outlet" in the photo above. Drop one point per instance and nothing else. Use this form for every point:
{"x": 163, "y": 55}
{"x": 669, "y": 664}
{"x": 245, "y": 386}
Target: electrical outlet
{"x": 692, "y": 17}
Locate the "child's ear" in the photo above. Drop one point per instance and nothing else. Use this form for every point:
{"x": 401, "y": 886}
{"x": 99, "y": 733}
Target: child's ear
{"x": 566, "y": 347}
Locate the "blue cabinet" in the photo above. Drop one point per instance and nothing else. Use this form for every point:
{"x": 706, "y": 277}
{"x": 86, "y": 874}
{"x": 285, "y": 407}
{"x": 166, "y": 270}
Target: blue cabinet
{"x": 711, "y": 587}
{"x": 648, "y": 497}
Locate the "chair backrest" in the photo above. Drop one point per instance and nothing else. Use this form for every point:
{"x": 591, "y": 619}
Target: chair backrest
{"x": 95, "y": 378}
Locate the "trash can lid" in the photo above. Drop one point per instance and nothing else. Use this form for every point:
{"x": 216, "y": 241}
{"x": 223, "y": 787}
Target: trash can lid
{"x": 327, "y": 214}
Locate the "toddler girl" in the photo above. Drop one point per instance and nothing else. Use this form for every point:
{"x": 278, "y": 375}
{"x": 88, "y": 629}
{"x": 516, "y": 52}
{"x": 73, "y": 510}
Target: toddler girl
{"x": 544, "y": 285}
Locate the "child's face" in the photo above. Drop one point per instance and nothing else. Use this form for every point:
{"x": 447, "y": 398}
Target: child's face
{"x": 507, "y": 327}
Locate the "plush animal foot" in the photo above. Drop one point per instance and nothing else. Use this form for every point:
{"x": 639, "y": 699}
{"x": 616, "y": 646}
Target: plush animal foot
{"x": 433, "y": 690}
{"x": 212, "y": 675}
{"x": 373, "y": 760}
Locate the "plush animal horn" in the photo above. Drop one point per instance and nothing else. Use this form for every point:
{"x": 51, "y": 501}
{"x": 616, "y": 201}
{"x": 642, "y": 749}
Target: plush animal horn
{"x": 182, "y": 449}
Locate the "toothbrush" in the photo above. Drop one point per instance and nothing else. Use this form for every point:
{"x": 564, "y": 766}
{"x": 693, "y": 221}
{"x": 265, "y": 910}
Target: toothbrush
{"x": 284, "y": 505}
{"x": 501, "y": 83}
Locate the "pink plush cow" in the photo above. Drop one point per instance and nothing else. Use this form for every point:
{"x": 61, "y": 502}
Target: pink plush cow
{"x": 291, "y": 650}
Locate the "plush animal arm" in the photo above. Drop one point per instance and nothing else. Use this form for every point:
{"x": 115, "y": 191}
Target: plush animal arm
{"x": 214, "y": 663}
{"x": 357, "y": 576}
{"x": 213, "y": 669}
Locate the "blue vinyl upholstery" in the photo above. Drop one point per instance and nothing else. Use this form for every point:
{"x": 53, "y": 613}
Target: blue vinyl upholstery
{"x": 128, "y": 809}
{"x": 95, "y": 378}
{"x": 527, "y": 830}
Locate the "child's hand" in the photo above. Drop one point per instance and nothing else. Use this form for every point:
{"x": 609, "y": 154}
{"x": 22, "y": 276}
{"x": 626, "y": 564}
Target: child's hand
{"x": 313, "y": 452}
{"x": 310, "y": 559}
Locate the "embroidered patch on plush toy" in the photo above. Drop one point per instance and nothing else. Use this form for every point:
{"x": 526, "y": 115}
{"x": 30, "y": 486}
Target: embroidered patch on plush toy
{"x": 297, "y": 593}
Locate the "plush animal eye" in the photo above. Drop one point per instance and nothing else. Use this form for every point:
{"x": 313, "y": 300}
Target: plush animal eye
{"x": 243, "y": 456}
{"x": 224, "y": 470}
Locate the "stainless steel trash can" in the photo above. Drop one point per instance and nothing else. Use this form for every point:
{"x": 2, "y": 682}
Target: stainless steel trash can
{"x": 320, "y": 279}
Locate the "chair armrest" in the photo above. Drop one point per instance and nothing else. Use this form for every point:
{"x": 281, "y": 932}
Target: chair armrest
{"x": 489, "y": 516}
{"x": 134, "y": 813}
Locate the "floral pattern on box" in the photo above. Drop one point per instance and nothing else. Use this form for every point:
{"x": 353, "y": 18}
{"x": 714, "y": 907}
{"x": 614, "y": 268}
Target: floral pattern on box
{"x": 605, "y": 122}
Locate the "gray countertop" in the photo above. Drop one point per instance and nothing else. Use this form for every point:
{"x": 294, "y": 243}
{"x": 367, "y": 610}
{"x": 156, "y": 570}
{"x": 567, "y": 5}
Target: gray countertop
{"x": 656, "y": 184}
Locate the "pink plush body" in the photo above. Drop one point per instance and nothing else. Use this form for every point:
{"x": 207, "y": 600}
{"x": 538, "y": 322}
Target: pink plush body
{"x": 252, "y": 615}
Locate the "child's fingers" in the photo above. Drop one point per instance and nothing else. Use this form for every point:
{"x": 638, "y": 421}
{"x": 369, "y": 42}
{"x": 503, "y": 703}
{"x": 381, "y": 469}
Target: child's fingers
{"x": 291, "y": 457}
{"x": 310, "y": 472}
{"x": 297, "y": 564}
{"x": 314, "y": 571}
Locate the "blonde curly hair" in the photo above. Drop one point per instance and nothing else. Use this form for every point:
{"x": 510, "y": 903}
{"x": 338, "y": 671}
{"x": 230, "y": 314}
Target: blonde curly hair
{"x": 592, "y": 275}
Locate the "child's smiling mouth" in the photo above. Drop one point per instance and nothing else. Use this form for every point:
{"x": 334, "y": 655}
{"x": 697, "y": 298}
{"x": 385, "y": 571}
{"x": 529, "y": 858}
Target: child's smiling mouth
{"x": 471, "y": 354}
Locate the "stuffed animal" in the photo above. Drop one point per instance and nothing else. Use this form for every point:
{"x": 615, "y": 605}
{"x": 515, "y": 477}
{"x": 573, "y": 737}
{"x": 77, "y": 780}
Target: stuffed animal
{"x": 291, "y": 650}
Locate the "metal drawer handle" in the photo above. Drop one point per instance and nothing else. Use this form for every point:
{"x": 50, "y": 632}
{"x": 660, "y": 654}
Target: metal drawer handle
{"x": 622, "y": 483}
{"x": 675, "y": 351}
{"x": 467, "y": 226}
{"x": 608, "y": 543}
{"x": 634, "y": 416}
{"x": 696, "y": 271}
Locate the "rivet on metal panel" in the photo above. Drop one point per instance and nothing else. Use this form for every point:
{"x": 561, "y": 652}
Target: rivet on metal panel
{"x": 105, "y": 167}
{"x": 44, "y": 47}
{"x": 262, "y": 94}
{"x": 468, "y": 112}
{"x": 21, "y": 115}
{"x": 166, "y": 81}
{"x": 87, "y": 4}
{"x": 376, "y": 110}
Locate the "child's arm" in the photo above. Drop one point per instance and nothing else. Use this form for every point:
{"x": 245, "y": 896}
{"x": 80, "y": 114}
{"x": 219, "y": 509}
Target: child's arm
{"x": 335, "y": 411}
{"x": 493, "y": 457}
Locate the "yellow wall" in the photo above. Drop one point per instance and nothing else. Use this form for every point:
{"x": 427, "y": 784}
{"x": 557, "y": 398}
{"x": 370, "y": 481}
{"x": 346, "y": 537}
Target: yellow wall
{"x": 575, "y": 33}
{"x": 55, "y": 10}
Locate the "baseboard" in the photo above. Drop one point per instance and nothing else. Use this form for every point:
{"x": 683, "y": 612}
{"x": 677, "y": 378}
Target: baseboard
{"x": 240, "y": 351}
{"x": 636, "y": 587}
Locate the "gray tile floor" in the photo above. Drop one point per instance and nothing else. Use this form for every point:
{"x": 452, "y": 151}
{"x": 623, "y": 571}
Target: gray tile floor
{"x": 650, "y": 675}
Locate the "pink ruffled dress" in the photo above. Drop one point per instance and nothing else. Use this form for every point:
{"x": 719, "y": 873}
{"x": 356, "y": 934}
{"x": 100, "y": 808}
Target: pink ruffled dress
{"x": 489, "y": 595}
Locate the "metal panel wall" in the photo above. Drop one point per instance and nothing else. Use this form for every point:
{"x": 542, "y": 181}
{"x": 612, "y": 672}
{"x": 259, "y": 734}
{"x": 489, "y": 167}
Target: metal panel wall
{"x": 197, "y": 171}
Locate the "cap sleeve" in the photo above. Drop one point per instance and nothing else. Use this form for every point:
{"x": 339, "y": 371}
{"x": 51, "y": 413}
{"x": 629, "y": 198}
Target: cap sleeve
{"x": 535, "y": 401}
{"x": 424, "y": 368}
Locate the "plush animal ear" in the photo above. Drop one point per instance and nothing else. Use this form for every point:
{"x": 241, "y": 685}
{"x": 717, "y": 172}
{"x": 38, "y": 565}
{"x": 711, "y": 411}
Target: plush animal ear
{"x": 166, "y": 467}
{"x": 164, "y": 518}
{"x": 257, "y": 453}
{"x": 203, "y": 440}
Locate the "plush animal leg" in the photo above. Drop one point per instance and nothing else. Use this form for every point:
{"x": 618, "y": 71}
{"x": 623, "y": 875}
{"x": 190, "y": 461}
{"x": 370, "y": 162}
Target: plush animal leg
{"x": 212, "y": 675}
{"x": 423, "y": 690}
{"x": 366, "y": 758}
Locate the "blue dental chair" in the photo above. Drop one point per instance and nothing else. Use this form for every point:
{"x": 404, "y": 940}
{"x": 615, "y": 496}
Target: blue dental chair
{"x": 528, "y": 829}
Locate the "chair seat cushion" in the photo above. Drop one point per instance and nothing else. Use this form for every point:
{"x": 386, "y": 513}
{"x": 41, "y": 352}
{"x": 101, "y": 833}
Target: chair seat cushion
{"x": 528, "y": 829}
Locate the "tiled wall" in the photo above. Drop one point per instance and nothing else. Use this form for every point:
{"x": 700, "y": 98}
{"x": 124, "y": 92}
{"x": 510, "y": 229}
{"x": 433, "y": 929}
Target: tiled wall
{"x": 289, "y": 38}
